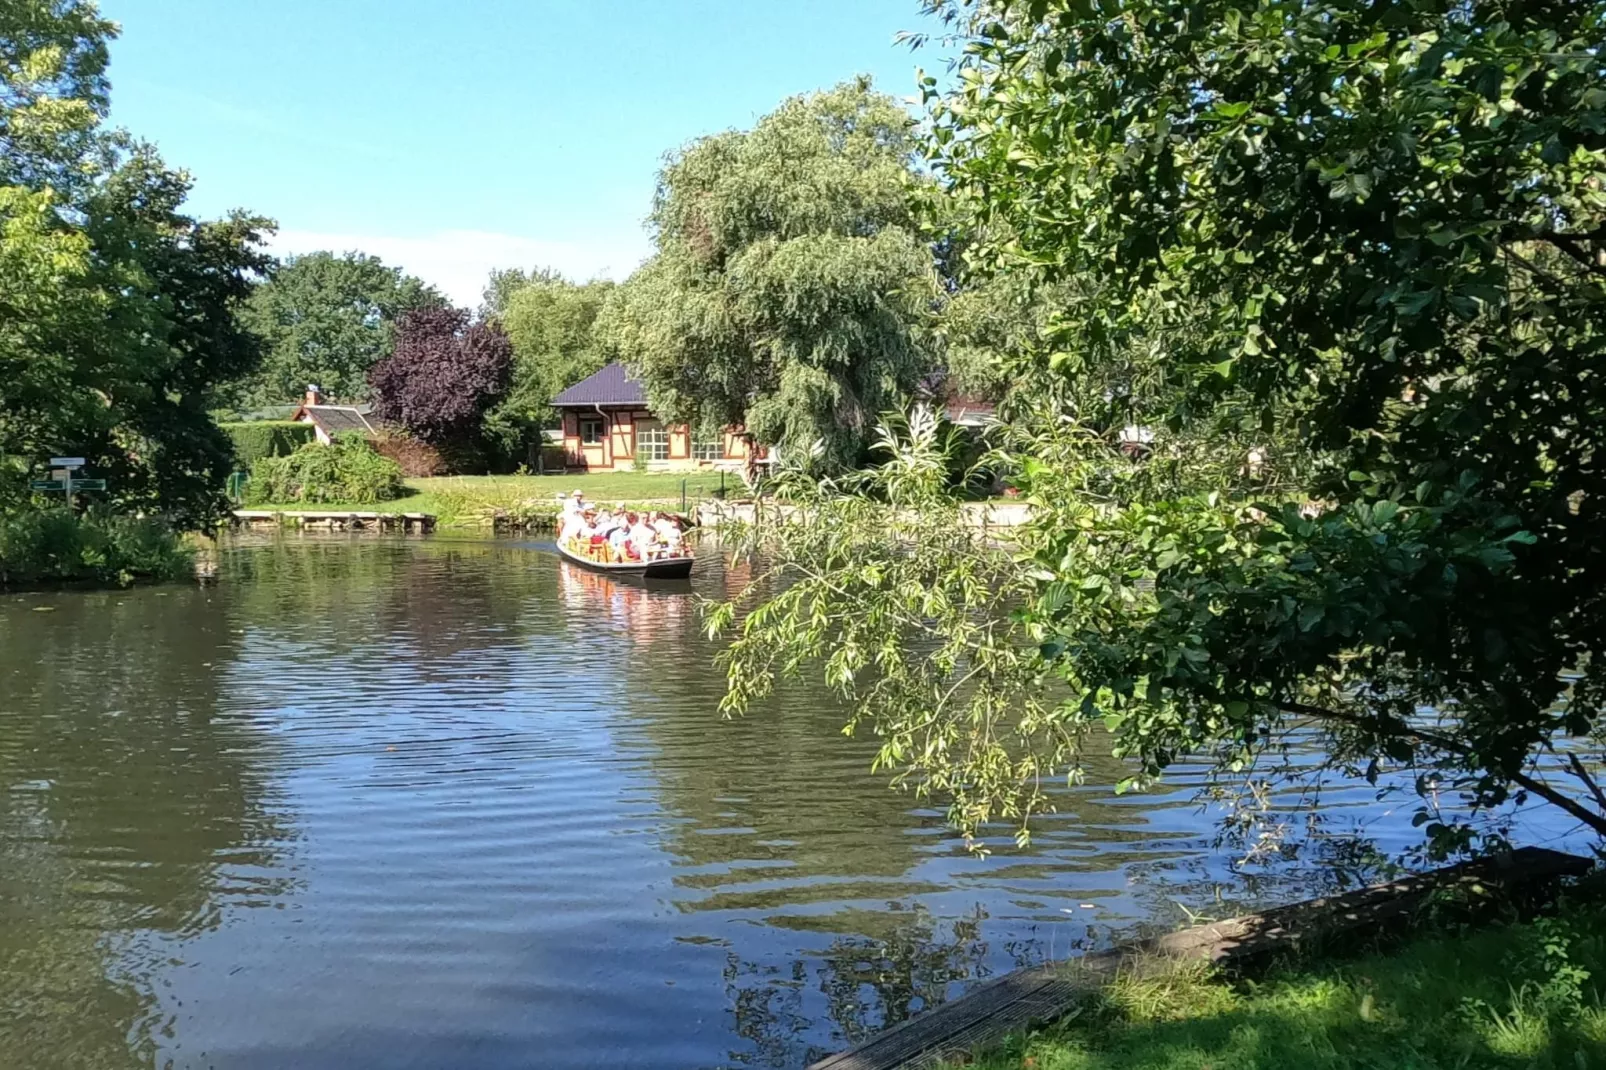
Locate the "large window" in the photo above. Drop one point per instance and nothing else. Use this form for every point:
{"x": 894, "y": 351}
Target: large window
{"x": 652, "y": 441}
{"x": 590, "y": 430}
{"x": 708, "y": 451}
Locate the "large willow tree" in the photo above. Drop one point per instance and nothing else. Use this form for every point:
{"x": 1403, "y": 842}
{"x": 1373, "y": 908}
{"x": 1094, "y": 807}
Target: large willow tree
{"x": 790, "y": 291}
{"x": 1343, "y": 262}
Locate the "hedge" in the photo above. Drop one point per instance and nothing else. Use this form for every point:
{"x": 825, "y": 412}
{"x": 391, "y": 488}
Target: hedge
{"x": 256, "y": 439}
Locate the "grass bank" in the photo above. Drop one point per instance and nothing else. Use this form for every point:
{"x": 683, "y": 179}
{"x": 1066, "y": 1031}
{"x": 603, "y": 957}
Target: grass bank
{"x": 469, "y": 499}
{"x": 54, "y": 548}
{"x": 1520, "y": 995}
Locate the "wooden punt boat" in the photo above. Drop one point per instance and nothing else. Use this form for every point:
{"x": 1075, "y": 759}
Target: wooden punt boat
{"x": 663, "y": 568}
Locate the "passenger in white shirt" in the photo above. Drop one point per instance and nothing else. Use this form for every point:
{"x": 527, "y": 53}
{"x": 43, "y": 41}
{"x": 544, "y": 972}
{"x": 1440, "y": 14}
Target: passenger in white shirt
{"x": 643, "y": 537}
{"x": 669, "y": 534}
{"x": 571, "y": 516}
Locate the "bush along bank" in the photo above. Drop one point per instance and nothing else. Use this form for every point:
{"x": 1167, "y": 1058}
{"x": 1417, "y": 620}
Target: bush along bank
{"x": 49, "y": 547}
{"x": 349, "y": 471}
{"x": 1529, "y": 994}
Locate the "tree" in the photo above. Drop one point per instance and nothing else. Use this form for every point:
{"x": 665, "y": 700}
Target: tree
{"x": 445, "y": 373}
{"x": 325, "y": 320}
{"x": 118, "y": 313}
{"x": 548, "y": 321}
{"x": 791, "y": 291}
{"x": 505, "y": 282}
{"x": 1372, "y": 235}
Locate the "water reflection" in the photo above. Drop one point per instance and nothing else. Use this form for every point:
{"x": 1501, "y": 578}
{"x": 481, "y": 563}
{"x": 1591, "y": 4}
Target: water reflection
{"x": 456, "y": 803}
{"x": 131, "y": 814}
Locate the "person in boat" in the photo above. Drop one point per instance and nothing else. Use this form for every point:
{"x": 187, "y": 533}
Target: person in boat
{"x": 643, "y": 538}
{"x": 619, "y": 542}
{"x": 669, "y": 536}
{"x": 584, "y": 528}
{"x": 594, "y": 536}
{"x": 571, "y": 515}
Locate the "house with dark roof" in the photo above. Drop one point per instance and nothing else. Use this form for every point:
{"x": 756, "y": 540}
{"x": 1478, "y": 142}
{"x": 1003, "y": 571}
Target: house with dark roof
{"x": 330, "y": 420}
{"x": 607, "y": 425}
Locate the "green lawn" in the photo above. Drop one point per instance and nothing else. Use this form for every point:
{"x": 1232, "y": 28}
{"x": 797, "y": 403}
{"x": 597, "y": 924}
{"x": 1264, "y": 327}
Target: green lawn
{"x": 465, "y": 499}
{"x": 601, "y": 486}
{"x": 1518, "y": 996}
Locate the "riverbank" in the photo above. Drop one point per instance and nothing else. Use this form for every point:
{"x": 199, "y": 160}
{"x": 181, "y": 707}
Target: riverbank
{"x": 1526, "y": 994}
{"x": 47, "y": 549}
{"x": 465, "y": 501}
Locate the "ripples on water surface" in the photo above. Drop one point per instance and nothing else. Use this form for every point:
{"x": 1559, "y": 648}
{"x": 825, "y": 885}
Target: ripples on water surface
{"x": 456, "y": 804}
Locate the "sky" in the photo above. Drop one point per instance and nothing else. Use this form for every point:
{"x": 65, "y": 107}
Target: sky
{"x": 451, "y": 138}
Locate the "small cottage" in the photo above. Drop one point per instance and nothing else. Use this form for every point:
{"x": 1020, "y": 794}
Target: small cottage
{"x": 330, "y": 420}
{"x": 607, "y": 425}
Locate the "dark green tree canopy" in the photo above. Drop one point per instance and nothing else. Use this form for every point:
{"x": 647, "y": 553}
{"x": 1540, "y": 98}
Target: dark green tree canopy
{"x": 118, "y": 313}
{"x": 1380, "y": 227}
{"x": 1340, "y": 265}
{"x": 326, "y": 320}
{"x": 791, "y": 290}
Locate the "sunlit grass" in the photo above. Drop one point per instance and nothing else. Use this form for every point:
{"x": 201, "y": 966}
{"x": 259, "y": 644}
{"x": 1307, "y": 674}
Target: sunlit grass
{"x": 467, "y": 499}
{"x": 1521, "y": 995}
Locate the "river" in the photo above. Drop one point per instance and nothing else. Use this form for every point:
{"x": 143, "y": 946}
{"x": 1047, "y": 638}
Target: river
{"x": 452, "y": 803}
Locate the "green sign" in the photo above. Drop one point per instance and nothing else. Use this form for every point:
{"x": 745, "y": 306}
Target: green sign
{"x": 60, "y": 484}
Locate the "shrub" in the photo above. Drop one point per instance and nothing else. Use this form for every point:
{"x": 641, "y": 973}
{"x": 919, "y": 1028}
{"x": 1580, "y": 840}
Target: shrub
{"x": 257, "y": 439}
{"x": 349, "y": 472}
{"x": 54, "y": 546}
{"x": 418, "y": 459}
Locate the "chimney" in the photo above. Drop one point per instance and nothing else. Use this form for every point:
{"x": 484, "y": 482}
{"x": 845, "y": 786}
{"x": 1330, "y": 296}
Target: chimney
{"x": 314, "y": 396}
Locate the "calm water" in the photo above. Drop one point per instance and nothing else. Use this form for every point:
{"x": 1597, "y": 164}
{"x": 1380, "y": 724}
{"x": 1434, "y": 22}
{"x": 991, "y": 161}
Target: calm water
{"x": 456, "y": 804}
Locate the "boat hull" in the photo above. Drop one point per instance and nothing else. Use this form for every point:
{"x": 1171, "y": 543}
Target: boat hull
{"x": 673, "y": 568}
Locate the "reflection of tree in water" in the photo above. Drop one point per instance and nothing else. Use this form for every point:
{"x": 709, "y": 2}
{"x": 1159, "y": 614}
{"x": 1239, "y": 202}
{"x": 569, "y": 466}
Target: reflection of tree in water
{"x": 435, "y": 599}
{"x": 879, "y": 968}
{"x": 778, "y": 812}
{"x": 130, "y": 805}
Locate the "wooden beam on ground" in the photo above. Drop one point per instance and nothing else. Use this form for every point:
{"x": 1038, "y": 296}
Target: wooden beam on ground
{"x": 1013, "y": 1003}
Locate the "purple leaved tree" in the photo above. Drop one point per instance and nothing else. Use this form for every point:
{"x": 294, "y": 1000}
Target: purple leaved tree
{"x": 443, "y": 374}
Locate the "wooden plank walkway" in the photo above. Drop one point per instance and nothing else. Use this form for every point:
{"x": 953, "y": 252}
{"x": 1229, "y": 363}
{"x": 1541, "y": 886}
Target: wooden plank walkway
{"x": 337, "y": 519}
{"x": 1018, "y": 1000}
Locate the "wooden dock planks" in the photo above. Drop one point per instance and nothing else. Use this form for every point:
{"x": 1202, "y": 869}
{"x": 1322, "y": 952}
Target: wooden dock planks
{"x": 1018, "y": 1000}
{"x": 336, "y": 519}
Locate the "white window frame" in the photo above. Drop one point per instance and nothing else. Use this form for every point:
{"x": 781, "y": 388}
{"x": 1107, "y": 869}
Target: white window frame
{"x": 652, "y": 440}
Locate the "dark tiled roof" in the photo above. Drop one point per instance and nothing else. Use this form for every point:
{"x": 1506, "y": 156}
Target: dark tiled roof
{"x": 335, "y": 419}
{"x": 611, "y": 386}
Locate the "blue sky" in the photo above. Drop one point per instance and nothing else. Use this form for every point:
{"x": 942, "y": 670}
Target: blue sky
{"x": 453, "y": 137}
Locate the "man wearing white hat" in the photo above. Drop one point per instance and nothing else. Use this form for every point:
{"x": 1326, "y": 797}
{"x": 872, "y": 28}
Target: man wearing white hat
{"x": 569, "y": 516}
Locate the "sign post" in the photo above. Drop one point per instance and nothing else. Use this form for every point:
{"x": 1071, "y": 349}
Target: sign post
{"x": 62, "y": 478}
{"x": 67, "y": 465}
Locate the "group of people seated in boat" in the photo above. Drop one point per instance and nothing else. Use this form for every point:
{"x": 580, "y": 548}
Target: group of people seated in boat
{"x": 618, "y": 535}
